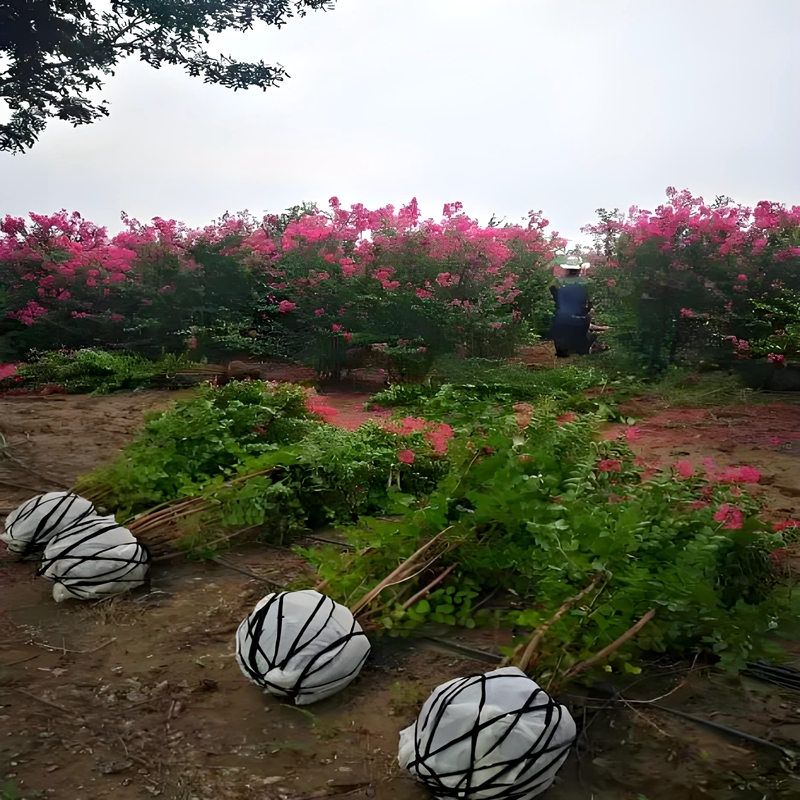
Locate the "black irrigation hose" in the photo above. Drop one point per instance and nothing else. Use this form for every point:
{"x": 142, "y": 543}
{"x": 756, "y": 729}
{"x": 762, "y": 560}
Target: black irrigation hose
{"x": 724, "y": 729}
{"x": 787, "y": 677}
{"x": 614, "y": 697}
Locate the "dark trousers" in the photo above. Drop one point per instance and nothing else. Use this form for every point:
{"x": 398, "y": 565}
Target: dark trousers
{"x": 571, "y": 336}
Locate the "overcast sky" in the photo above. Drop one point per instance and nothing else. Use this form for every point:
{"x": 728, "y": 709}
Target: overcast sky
{"x": 506, "y": 105}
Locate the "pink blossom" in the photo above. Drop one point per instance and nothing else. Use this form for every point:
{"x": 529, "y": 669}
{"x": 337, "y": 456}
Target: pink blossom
{"x": 192, "y": 342}
{"x": 319, "y": 312}
{"x": 741, "y": 277}
{"x": 336, "y": 328}
{"x": 633, "y": 434}
{"x": 731, "y": 516}
{"x": 423, "y": 294}
{"x": 742, "y": 474}
{"x": 406, "y": 456}
{"x": 116, "y": 318}
{"x": 285, "y": 306}
{"x": 685, "y": 469}
{"x": 347, "y": 336}
{"x": 439, "y": 437}
{"x": 497, "y": 325}
{"x": 687, "y": 312}
{"x": 611, "y": 282}
{"x": 444, "y": 279}
{"x": 778, "y": 360}
{"x": 7, "y": 370}
{"x": 610, "y": 465}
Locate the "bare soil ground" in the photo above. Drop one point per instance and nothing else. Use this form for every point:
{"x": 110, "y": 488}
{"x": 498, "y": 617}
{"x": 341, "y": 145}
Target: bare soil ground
{"x": 140, "y": 696}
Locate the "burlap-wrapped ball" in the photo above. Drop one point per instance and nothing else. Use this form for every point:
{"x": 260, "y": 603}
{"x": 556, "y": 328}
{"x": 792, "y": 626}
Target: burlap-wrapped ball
{"x": 496, "y": 736}
{"x": 301, "y": 645}
{"x": 96, "y": 558}
{"x": 31, "y": 526}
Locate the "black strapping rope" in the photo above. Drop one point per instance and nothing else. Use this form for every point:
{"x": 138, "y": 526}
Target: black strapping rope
{"x": 90, "y": 564}
{"x": 41, "y": 518}
{"x": 275, "y": 635}
{"x": 508, "y": 778}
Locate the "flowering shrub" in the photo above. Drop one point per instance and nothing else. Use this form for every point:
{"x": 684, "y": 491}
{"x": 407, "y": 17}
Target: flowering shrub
{"x": 684, "y": 283}
{"x": 304, "y": 282}
{"x": 539, "y": 511}
{"x": 64, "y": 282}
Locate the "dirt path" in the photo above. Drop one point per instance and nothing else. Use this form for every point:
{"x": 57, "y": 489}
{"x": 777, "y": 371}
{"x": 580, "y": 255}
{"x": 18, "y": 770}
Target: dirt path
{"x": 140, "y": 697}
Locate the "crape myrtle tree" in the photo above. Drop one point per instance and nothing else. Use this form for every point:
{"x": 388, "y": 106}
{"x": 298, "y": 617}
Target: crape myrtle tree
{"x": 54, "y": 54}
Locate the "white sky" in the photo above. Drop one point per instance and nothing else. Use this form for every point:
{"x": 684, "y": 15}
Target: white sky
{"x": 506, "y": 105}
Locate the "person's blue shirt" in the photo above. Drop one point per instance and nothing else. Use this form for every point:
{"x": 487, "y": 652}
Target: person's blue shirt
{"x": 571, "y": 301}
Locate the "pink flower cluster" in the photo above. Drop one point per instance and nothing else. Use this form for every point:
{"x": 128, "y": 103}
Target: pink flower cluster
{"x": 437, "y": 434}
{"x": 730, "y": 517}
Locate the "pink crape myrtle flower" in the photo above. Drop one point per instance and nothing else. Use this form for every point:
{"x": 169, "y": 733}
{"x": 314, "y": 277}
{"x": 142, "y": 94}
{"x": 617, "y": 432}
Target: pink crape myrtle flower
{"x": 685, "y": 469}
{"x": 633, "y": 434}
{"x": 285, "y": 306}
{"x": 7, "y": 370}
{"x": 406, "y": 456}
{"x": 731, "y": 517}
{"x": 742, "y": 474}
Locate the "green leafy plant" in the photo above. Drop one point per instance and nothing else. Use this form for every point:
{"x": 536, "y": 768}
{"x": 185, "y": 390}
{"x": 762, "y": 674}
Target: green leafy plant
{"x": 184, "y": 448}
{"x": 250, "y": 455}
{"x": 97, "y": 371}
{"x": 536, "y": 514}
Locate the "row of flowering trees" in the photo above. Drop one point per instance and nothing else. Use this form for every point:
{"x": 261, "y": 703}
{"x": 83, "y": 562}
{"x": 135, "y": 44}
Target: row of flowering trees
{"x": 305, "y": 282}
{"x": 699, "y": 281}
{"x": 691, "y": 281}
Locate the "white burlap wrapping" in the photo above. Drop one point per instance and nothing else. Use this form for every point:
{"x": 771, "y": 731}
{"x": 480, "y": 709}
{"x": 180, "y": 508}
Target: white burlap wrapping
{"x": 96, "y": 558}
{"x": 493, "y": 736}
{"x": 301, "y": 645}
{"x": 31, "y": 526}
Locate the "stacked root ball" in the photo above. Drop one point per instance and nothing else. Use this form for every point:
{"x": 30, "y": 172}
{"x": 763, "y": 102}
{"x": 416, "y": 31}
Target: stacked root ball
{"x": 87, "y": 556}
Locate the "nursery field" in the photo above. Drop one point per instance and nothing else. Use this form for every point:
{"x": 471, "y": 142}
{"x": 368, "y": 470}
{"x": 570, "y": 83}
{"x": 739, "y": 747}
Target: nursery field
{"x": 373, "y": 413}
{"x": 140, "y": 696}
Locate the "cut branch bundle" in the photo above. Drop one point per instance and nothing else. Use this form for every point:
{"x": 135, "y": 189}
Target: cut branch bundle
{"x": 416, "y": 564}
{"x": 160, "y": 527}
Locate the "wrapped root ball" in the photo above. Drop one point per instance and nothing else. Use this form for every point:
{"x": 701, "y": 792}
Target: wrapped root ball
{"x": 31, "y": 526}
{"x": 301, "y": 645}
{"x": 488, "y": 736}
{"x": 96, "y": 558}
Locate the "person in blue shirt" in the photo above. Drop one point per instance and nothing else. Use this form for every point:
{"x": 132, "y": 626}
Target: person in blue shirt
{"x": 572, "y": 324}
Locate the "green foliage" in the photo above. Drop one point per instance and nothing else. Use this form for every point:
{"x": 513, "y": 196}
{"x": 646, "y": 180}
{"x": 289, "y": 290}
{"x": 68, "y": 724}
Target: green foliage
{"x": 305, "y": 473}
{"x": 183, "y": 449}
{"x": 474, "y": 392}
{"x": 58, "y": 53}
{"x": 537, "y": 513}
{"x": 781, "y": 316}
{"x": 10, "y": 791}
{"x": 98, "y": 372}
